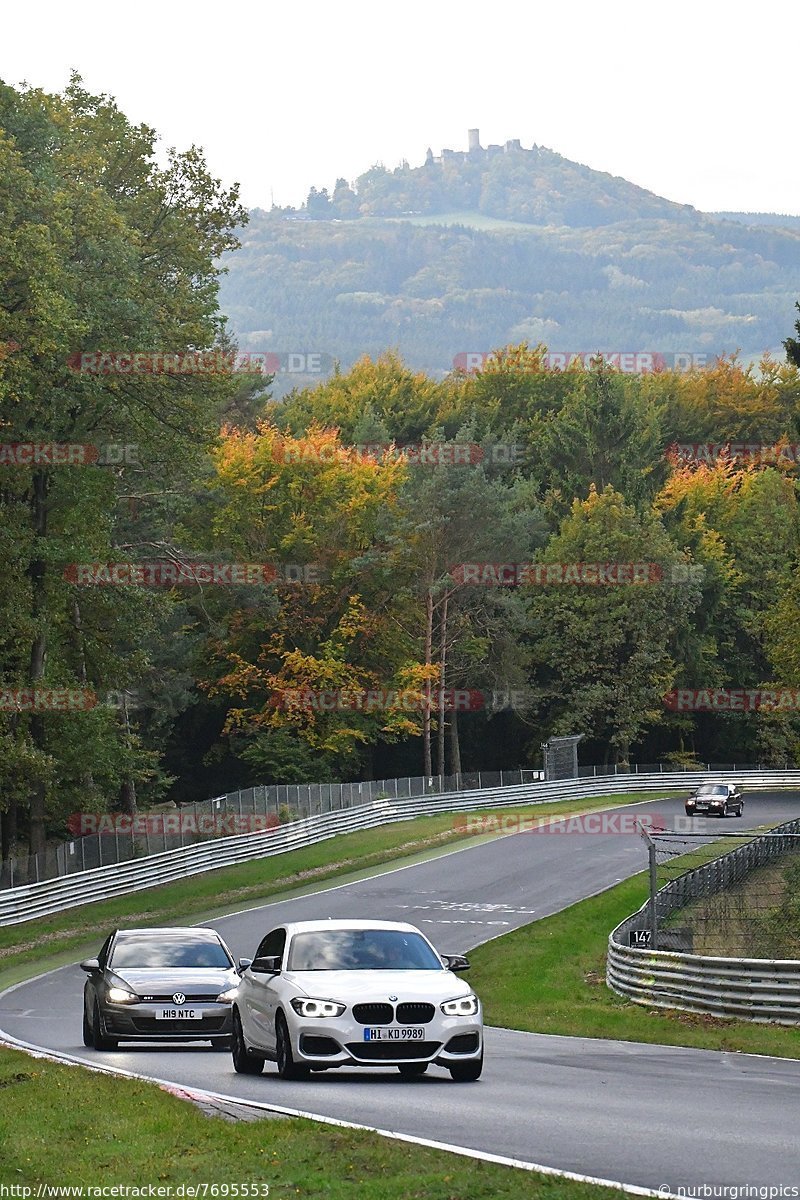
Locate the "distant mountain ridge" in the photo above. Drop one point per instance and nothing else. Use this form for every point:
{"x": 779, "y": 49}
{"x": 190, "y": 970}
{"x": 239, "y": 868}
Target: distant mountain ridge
{"x": 481, "y": 248}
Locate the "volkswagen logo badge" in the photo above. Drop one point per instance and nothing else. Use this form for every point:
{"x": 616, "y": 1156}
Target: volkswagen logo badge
{"x": 393, "y": 997}
{"x": 179, "y": 998}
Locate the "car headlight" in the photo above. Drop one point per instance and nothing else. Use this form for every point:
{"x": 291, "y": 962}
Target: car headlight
{"x": 118, "y": 995}
{"x": 306, "y": 1006}
{"x": 462, "y": 1006}
{"x": 228, "y": 995}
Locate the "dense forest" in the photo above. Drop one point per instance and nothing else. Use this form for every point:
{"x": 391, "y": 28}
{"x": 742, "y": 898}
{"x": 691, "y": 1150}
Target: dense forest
{"x": 192, "y": 562}
{"x": 484, "y": 248}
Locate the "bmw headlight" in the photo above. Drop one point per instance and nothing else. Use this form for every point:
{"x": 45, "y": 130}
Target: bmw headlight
{"x": 228, "y": 995}
{"x": 306, "y": 1006}
{"x": 118, "y": 995}
{"x": 462, "y": 1006}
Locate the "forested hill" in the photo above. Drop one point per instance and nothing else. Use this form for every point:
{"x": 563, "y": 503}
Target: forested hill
{"x": 477, "y": 250}
{"x": 535, "y": 186}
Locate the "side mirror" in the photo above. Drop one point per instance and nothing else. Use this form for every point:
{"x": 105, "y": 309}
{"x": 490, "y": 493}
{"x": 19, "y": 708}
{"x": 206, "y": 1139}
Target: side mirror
{"x": 269, "y": 965}
{"x": 456, "y": 962}
{"x": 243, "y": 964}
{"x": 89, "y": 965}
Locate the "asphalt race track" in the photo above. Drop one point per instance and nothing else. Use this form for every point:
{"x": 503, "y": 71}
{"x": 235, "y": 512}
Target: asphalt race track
{"x": 647, "y": 1116}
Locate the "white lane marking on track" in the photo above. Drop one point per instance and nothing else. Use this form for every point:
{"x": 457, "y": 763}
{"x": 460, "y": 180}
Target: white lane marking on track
{"x": 463, "y": 921}
{"x": 465, "y": 906}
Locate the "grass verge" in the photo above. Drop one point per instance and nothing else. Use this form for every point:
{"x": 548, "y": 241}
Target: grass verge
{"x": 61, "y": 1125}
{"x": 53, "y": 941}
{"x": 549, "y": 977}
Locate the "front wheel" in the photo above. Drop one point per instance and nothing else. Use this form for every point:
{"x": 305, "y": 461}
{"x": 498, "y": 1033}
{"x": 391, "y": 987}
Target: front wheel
{"x": 287, "y": 1067}
{"x": 99, "y": 1040}
{"x": 466, "y": 1072}
{"x": 88, "y": 1039}
{"x": 243, "y": 1063}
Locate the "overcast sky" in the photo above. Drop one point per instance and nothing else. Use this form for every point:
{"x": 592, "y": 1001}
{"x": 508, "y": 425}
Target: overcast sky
{"x": 694, "y": 99}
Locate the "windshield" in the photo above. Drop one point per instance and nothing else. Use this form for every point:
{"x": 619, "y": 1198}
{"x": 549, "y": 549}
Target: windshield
{"x": 168, "y": 952}
{"x": 712, "y": 789}
{"x": 360, "y": 950}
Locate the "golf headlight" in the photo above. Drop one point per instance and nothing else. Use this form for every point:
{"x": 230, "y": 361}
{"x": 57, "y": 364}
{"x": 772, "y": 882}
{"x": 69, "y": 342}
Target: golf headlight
{"x": 304, "y": 1006}
{"x": 118, "y": 995}
{"x": 228, "y": 995}
{"x": 463, "y": 1006}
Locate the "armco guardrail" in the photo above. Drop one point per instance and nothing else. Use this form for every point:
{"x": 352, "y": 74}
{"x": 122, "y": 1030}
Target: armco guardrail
{"x": 755, "y": 989}
{"x": 55, "y": 895}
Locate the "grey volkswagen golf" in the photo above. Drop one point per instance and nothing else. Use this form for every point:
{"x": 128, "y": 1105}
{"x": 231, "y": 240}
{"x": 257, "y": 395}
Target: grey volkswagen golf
{"x": 159, "y": 985}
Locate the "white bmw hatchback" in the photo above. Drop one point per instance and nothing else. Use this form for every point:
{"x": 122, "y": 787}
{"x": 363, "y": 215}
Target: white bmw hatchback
{"x": 322, "y": 994}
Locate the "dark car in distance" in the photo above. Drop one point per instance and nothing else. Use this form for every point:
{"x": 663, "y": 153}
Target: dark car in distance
{"x": 715, "y": 800}
{"x": 159, "y": 985}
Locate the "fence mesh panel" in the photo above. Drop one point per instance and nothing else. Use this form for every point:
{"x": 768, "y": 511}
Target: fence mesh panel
{"x": 731, "y": 895}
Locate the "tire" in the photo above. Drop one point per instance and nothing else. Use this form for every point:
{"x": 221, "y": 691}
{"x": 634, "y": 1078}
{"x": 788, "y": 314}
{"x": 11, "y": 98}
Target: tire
{"x": 741, "y": 810}
{"x": 287, "y": 1067}
{"x": 243, "y": 1063}
{"x": 99, "y": 1040}
{"x": 412, "y": 1070}
{"x": 88, "y": 1039}
{"x": 466, "y": 1072}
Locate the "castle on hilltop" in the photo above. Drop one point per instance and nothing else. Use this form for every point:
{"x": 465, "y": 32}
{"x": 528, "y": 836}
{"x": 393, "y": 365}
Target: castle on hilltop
{"x": 475, "y": 149}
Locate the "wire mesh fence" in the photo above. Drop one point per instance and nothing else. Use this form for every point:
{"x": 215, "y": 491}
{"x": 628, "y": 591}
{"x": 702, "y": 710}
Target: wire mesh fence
{"x": 105, "y": 838}
{"x": 730, "y": 895}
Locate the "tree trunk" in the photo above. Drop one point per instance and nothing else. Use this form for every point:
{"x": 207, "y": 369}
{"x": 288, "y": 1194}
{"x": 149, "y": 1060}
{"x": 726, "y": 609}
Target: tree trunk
{"x": 427, "y": 765}
{"x": 127, "y": 793}
{"x": 455, "y": 747}
{"x": 36, "y": 572}
{"x": 8, "y": 831}
{"x": 442, "y": 675}
{"x": 88, "y": 779}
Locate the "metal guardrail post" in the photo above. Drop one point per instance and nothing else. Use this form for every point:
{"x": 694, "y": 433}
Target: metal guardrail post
{"x": 651, "y": 855}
